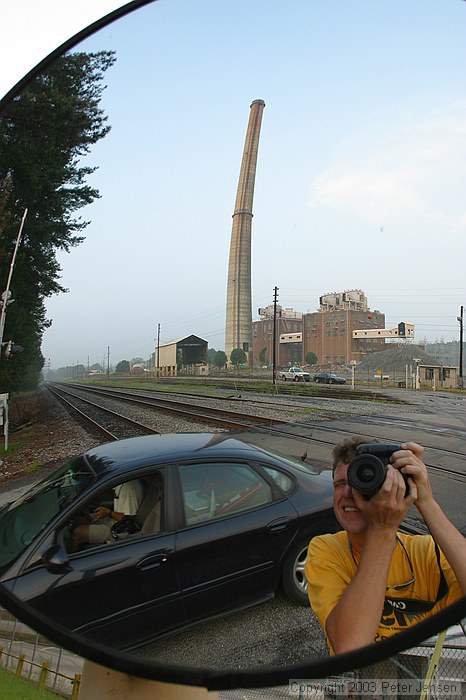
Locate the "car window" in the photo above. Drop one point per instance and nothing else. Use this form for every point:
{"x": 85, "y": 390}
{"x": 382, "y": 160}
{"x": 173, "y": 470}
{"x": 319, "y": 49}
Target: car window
{"x": 131, "y": 508}
{"x": 285, "y": 483}
{"x": 214, "y": 490}
{"x": 31, "y": 513}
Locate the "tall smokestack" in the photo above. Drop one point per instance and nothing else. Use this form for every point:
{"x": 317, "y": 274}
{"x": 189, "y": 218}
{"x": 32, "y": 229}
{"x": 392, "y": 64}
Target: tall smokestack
{"x": 239, "y": 302}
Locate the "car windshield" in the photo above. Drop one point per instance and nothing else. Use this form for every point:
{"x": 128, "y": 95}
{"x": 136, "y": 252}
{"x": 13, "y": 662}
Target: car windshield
{"x": 23, "y": 519}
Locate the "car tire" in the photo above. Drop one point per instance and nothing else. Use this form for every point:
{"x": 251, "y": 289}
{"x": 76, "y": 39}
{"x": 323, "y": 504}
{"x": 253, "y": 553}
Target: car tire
{"x": 283, "y": 377}
{"x": 317, "y": 381}
{"x": 294, "y": 582}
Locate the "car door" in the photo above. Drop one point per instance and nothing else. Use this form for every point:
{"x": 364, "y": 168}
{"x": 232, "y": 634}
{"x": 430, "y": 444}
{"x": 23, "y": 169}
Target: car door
{"x": 237, "y": 528}
{"x": 120, "y": 593}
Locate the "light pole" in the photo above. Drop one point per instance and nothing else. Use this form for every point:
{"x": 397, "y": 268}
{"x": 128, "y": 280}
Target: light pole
{"x": 460, "y": 319}
{"x": 353, "y": 367}
{"x": 274, "y": 337}
{"x": 417, "y": 361}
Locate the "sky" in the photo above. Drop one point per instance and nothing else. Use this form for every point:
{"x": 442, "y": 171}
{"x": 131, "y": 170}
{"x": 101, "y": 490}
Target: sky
{"x": 360, "y": 177}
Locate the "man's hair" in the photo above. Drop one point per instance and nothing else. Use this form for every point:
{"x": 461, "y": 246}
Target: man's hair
{"x": 345, "y": 451}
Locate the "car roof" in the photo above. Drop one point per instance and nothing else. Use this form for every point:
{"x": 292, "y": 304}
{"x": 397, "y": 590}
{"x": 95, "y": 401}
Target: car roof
{"x": 135, "y": 453}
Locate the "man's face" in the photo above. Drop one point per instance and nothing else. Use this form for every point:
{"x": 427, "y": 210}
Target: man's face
{"x": 347, "y": 513}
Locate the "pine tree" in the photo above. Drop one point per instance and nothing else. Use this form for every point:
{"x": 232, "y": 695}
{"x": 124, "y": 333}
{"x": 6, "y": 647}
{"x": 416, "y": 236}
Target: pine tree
{"x": 45, "y": 133}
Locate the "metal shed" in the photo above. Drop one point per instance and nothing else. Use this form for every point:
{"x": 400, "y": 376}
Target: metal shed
{"x": 187, "y": 354}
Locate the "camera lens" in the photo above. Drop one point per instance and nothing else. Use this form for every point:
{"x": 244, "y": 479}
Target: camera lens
{"x": 366, "y": 474}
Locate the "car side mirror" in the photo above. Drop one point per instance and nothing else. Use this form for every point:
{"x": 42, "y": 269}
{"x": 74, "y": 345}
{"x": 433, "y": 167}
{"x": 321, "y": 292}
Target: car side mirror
{"x": 56, "y": 559}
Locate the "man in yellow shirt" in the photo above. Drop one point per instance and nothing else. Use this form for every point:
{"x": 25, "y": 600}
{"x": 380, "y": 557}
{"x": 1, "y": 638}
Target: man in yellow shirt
{"x": 369, "y": 581}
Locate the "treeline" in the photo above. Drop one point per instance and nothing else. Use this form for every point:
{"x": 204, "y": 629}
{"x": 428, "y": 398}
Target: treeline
{"x": 44, "y": 134}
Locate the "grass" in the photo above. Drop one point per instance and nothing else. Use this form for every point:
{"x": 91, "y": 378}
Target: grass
{"x": 12, "y": 688}
{"x": 17, "y": 441}
{"x": 31, "y": 468}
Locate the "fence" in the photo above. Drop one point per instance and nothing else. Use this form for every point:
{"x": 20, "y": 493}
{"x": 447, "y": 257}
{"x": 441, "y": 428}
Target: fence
{"x": 434, "y": 670}
{"x": 29, "y": 655}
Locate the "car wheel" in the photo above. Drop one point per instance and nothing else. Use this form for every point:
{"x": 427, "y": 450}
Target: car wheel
{"x": 317, "y": 381}
{"x": 330, "y": 381}
{"x": 283, "y": 377}
{"x": 294, "y": 581}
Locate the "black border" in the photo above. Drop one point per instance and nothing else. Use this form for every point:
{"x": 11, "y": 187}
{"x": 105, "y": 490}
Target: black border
{"x": 69, "y": 44}
{"x": 227, "y": 679}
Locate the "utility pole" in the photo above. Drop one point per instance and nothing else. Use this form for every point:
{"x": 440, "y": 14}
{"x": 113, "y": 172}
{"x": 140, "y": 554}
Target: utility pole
{"x": 157, "y": 371}
{"x": 274, "y": 336}
{"x": 460, "y": 319}
{"x": 6, "y": 295}
{"x": 108, "y": 362}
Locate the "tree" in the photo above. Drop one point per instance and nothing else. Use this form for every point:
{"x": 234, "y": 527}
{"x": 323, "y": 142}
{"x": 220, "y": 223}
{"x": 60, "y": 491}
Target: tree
{"x": 123, "y": 366}
{"x": 311, "y": 358}
{"x": 263, "y": 358}
{"x": 220, "y": 359}
{"x": 44, "y": 134}
{"x": 211, "y": 356}
{"x": 238, "y": 357}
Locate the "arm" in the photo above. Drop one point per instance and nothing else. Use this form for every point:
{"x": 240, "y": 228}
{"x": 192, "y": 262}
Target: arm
{"x": 449, "y": 539}
{"x": 103, "y": 512}
{"x": 354, "y": 620}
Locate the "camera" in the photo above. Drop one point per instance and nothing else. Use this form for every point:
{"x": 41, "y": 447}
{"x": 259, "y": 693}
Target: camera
{"x": 367, "y": 471}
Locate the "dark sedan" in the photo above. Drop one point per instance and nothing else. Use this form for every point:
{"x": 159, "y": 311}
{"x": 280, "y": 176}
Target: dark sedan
{"x": 221, "y": 525}
{"x": 328, "y": 378}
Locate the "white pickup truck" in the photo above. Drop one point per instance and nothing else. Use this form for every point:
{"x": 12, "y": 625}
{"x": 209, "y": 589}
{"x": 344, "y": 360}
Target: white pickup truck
{"x": 296, "y": 374}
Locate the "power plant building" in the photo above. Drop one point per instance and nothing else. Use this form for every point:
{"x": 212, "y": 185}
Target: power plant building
{"x": 327, "y": 332}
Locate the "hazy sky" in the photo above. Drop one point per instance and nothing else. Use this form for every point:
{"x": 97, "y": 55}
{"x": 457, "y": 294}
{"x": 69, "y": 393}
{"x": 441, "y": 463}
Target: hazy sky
{"x": 360, "y": 179}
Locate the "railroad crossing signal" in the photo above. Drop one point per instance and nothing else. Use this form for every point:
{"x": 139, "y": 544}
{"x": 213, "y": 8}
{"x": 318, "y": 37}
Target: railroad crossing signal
{"x": 11, "y": 349}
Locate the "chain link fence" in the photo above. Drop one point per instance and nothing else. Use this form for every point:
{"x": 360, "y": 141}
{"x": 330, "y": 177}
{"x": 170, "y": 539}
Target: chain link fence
{"x": 434, "y": 670}
{"x": 29, "y": 655}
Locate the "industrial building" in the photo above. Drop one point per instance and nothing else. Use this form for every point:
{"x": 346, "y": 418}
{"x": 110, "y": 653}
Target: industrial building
{"x": 327, "y": 332}
{"x": 187, "y": 354}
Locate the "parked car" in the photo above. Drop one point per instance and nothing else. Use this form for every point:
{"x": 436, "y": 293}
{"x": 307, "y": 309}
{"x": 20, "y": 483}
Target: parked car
{"x": 222, "y": 525}
{"x": 328, "y": 378}
{"x": 296, "y": 374}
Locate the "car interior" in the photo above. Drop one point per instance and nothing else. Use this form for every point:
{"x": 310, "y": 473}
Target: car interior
{"x": 148, "y": 518}
{"x": 214, "y": 490}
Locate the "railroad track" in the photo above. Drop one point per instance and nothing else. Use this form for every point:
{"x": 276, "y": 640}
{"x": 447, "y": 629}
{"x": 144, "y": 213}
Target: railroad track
{"x": 310, "y": 433}
{"x": 320, "y": 434}
{"x": 109, "y": 424}
{"x": 76, "y": 402}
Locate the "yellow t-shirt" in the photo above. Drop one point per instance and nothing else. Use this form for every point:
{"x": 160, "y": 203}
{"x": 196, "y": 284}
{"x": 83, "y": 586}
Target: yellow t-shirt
{"x": 330, "y": 566}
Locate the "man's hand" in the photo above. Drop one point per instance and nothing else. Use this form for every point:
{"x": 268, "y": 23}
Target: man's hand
{"x": 409, "y": 462}
{"x": 100, "y": 513}
{"x": 388, "y": 507}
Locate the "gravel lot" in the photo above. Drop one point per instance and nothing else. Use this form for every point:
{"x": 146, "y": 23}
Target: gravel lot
{"x": 48, "y": 435}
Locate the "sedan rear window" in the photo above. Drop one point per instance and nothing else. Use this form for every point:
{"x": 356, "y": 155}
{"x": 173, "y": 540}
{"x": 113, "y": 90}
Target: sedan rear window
{"x": 213, "y": 490}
